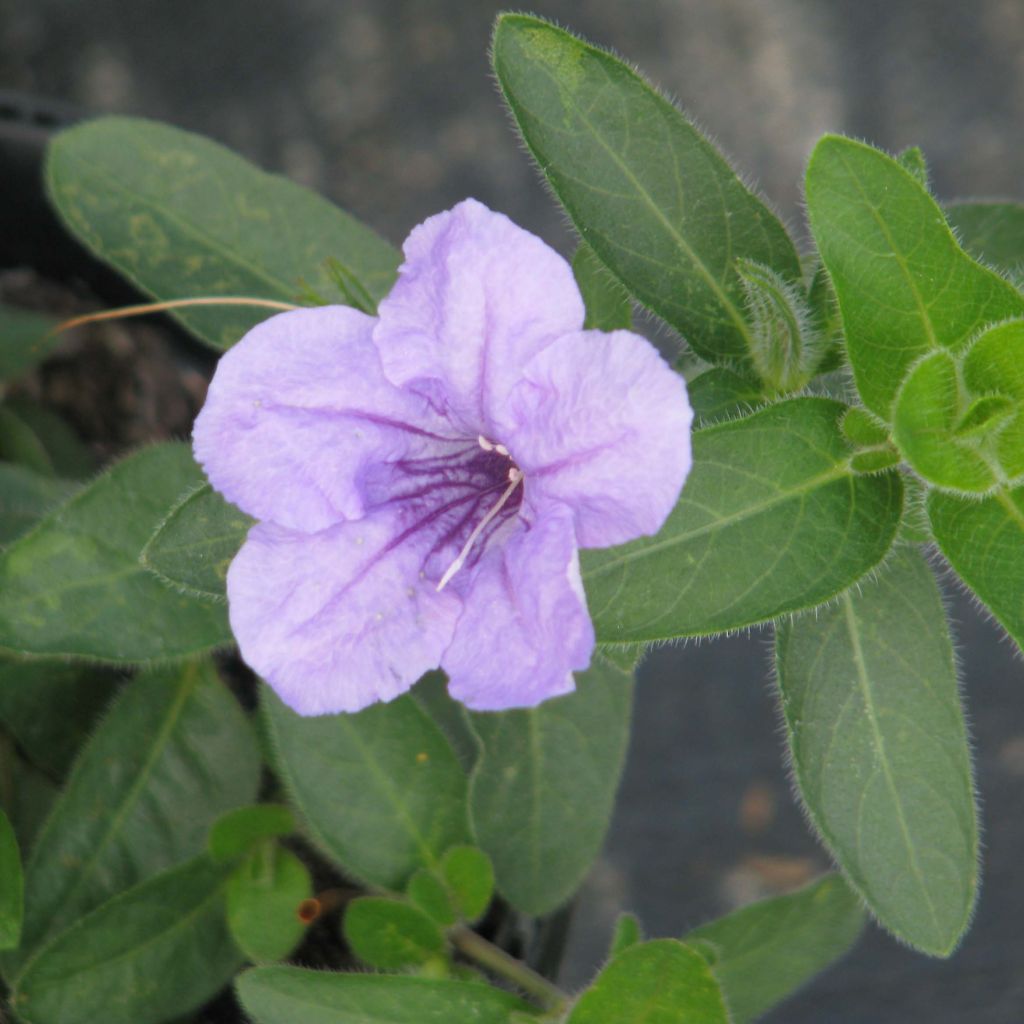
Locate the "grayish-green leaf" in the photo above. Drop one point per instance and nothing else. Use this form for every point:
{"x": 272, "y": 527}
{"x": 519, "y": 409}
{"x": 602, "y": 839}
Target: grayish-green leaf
{"x": 147, "y": 956}
{"x": 719, "y": 394}
{"x": 193, "y": 546}
{"x": 53, "y": 446}
{"x": 181, "y": 216}
{"x": 992, "y": 232}
{"x": 607, "y": 302}
{"x": 74, "y": 584}
{"x": 450, "y": 715}
{"x": 242, "y": 828}
{"x": 263, "y": 898}
{"x": 764, "y": 952}
{"x": 50, "y": 707}
{"x": 25, "y": 497}
{"x": 27, "y": 798}
{"x": 173, "y": 754}
{"x": 771, "y": 520}
{"x": 904, "y": 285}
{"x": 12, "y": 903}
{"x": 546, "y": 773}
{"x": 294, "y": 995}
{"x": 658, "y": 982}
{"x": 651, "y": 196}
{"x": 879, "y": 749}
{"x": 25, "y": 340}
{"x": 381, "y": 791}
{"x": 984, "y": 542}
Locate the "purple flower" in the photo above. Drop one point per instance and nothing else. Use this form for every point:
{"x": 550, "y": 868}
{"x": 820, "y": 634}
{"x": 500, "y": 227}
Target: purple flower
{"x": 424, "y": 478}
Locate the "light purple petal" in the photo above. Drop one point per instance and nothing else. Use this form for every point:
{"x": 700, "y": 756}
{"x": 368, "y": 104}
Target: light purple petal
{"x": 602, "y": 423}
{"x": 337, "y": 620}
{"x": 525, "y": 626}
{"x": 476, "y": 298}
{"x": 296, "y": 413}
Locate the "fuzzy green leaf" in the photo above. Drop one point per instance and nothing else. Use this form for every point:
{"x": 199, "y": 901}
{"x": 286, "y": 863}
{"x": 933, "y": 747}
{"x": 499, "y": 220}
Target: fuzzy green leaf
{"x": 173, "y": 754}
{"x": 25, "y": 497}
{"x": 905, "y": 286}
{"x": 771, "y": 520}
{"x": 74, "y": 586}
{"x": 12, "y": 886}
{"x": 391, "y": 935}
{"x": 879, "y": 749}
{"x": 381, "y": 791}
{"x": 546, "y": 773}
{"x": 181, "y": 216}
{"x": 764, "y": 952}
{"x": 294, "y": 995}
{"x": 242, "y": 828}
{"x": 606, "y": 300}
{"x": 50, "y": 443}
{"x": 648, "y": 192}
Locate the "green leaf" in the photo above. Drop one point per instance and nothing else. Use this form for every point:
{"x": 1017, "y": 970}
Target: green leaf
{"x": 991, "y": 232}
{"x": 12, "y": 903}
{"x": 25, "y": 340}
{"x": 771, "y": 520}
{"x": 627, "y": 933}
{"x": 263, "y": 898}
{"x": 74, "y": 586}
{"x": 426, "y": 891}
{"x": 391, "y": 935}
{"x": 450, "y": 715}
{"x": 381, "y": 791}
{"x": 192, "y": 547}
{"x": 913, "y": 161}
{"x": 470, "y": 878}
{"x": 181, "y": 216}
{"x": 905, "y": 287}
{"x": 652, "y": 197}
{"x": 984, "y": 542}
{"x": 606, "y": 300}
{"x": 879, "y": 749}
{"x": 764, "y": 952}
{"x": 547, "y": 773}
{"x": 28, "y": 799}
{"x": 658, "y": 982}
{"x": 55, "y": 448}
{"x": 242, "y": 828}
{"x": 25, "y": 496}
{"x": 19, "y": 444}
{"x": 719, "y": 394}
{"x": 149, "y": 955}
{"x": 294, "y": 995}
{"x": 173, "y": 754}
{"x": 51, "y": 707}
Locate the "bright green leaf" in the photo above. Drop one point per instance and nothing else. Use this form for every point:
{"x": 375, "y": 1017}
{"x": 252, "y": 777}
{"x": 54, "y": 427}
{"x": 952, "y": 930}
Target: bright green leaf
{"x": 771, "y": 520}
{"x": 627, "y": 933}
{"x": 992, "y": 232}
{"x": 658, "y": 982}
{"x": 426, "y": 891}
{"x": 547, "y": 773}
{"x": 293, "y": 995}
{"x": 241, "y": 828}
{"x": 391, "y": 935}
{"x": 74, "y": 585}
{"x": 651, "y": 196}
{"x": 173, "y": 754}
{"x": 381, "y": 791}
{"x": 764, "y": 952}
{"x": 193, "y": 546}
{"x": 470, "y": 877}
{"x": 263, "y": 897}
{"x": 606, "y": 300}
{"x": 912, "y": 160}
{"x": 147, "y": 956}
{"x": 12, "y": 904}
{"x": 182, "y": 217}
{"x": 905, "y": 287}
{"x": 50, "y": 707}
{"x": 984, "y": 542}
{"x": 879, "y": 749}
{"x": 25, "y": 340}
{"x": 25, "y": 497}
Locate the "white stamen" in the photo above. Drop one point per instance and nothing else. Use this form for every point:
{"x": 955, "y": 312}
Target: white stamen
{"x": 514, "y": 476}
{"x": 501, "y": 449}
{"x": 484, "y": 443}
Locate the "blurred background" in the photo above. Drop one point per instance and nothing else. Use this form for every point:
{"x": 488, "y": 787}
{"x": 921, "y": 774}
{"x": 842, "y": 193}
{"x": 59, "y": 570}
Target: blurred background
{"x": 388, "y": 108}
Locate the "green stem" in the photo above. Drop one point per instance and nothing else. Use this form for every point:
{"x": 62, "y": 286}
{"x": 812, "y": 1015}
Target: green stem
{"x": 496, "y": 960}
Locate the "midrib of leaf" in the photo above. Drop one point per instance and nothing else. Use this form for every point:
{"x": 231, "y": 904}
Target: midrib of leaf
{"x": 677, "y": 238}
{"x": 922, "y": 307}
{"x": 836, "y": 473}
{"x": 283, "y": 289}
{"x": 864, "y": 684}
{"x": 1012, "y": 508}
{"x": 394, "y": 798}
{"x": 190, "y": 679}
